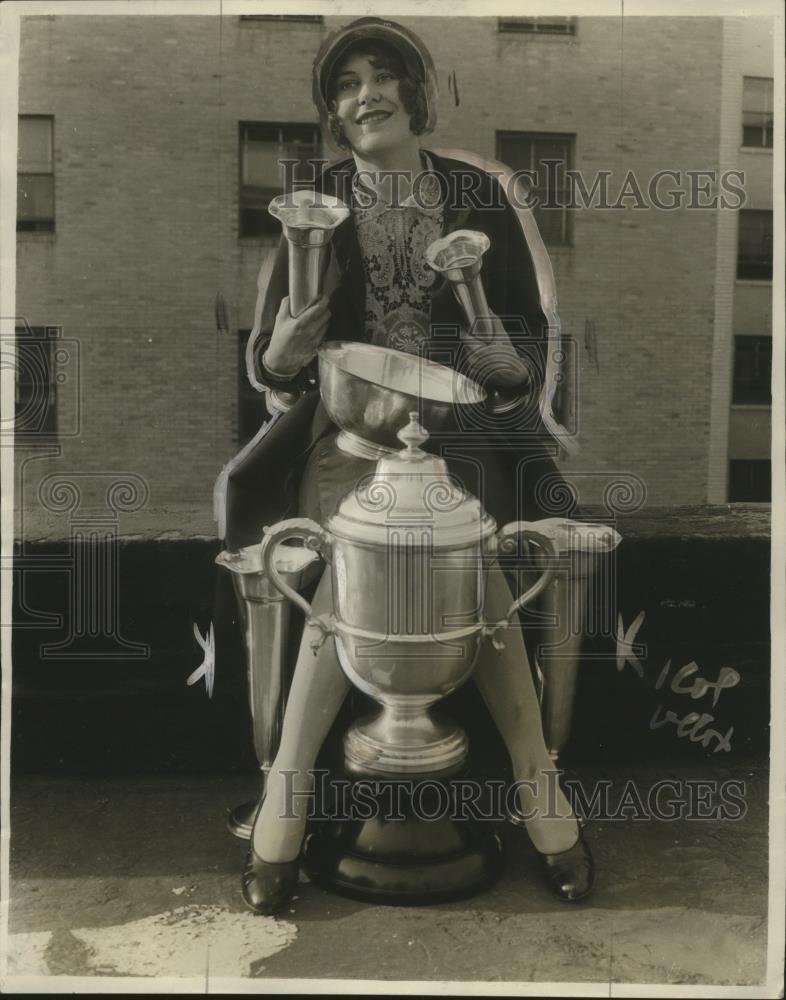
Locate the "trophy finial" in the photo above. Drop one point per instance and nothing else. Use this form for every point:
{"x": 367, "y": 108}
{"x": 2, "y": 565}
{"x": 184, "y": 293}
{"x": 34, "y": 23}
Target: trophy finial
{"x": 413, "y": 435}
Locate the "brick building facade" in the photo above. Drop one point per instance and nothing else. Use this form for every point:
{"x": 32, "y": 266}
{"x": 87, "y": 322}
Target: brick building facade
{"x": 145, "y": 116}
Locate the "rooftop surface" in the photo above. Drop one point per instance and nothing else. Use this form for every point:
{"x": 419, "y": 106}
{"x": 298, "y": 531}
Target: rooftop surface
{"x": 139, "y": 877}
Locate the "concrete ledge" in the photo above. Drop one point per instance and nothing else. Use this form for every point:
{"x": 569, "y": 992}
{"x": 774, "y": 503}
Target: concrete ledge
{"x": 725, "y": 521}
{"x": 164, "y": 522}
{"x": 181, "y": 522}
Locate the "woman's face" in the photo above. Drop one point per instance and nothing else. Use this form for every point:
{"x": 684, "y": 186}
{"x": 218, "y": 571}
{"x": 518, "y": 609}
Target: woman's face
{"x": 369, "y": 107}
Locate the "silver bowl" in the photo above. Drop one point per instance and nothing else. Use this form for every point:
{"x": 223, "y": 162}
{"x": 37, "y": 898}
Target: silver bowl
{"x": 369, "y": 392}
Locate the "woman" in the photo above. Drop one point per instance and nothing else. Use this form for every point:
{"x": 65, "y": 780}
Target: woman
{"x": 374, "y": 87}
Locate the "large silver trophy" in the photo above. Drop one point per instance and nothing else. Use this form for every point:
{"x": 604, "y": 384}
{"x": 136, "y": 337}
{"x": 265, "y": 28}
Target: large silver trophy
{"x": 369, "y": 393}
{"x": 308, "y": 220}
{"x": 264, "y": 622}
{"x": 458, "y": 257}
{"x": 408, "y": 551}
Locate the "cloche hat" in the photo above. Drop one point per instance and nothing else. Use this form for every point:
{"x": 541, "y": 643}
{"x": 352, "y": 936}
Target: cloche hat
{"x": 417, "y": 60}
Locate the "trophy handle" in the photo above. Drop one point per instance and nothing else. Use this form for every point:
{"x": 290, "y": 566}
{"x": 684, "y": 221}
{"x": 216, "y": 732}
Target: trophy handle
{"x": 316, "y": 539}
{"x": 506, "y": 542}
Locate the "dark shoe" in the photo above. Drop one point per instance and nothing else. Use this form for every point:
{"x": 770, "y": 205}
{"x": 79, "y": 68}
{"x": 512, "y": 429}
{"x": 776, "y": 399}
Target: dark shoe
{"x": 267, "y": 886}
{"x": 571, "y": 873}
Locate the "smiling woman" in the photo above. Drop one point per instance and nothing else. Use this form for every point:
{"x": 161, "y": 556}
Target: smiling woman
{"x": 374, "y": 107}
{"x": 374, "y": 86}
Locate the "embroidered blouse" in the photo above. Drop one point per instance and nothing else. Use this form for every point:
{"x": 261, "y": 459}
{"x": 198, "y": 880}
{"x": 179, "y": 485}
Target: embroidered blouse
{"x": 393, "y": 242}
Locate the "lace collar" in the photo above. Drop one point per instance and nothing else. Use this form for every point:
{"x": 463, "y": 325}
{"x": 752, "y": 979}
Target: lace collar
{"x": 426, "y": 196}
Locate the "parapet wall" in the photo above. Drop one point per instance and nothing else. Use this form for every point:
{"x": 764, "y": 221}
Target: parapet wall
{"x": 104, "y": 644}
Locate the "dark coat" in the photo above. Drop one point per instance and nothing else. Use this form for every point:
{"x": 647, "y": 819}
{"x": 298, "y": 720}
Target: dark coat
{"x": 501, "y": 459}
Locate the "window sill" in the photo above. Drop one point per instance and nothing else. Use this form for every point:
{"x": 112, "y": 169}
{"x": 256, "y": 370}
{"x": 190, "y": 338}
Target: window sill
{"x": 30, "y": 236}
{"x": 255, "y": 241}
{"x": 761, "y": 282}
{"x": 541, "y": 36}
{"x": 33, "y": 442}
{"x": 752, "y": 406}
{"x": 316, "y": 21}
{"x": 756, "y": 149}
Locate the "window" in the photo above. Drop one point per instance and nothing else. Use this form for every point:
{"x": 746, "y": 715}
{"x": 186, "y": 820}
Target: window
{"x": 538, "y": 25}
{"x": 750, "y": 479}
{"x": 307, "y": 18}
{"x": 35, "y": 190}
{"x": 251, "y": 411}
{"x": 757, "y": 100}
{"x": 752, "y": 370}
{"x": 35, "y": 410}
{"x": 548, "y": 155}
{"x": 262, "y": 147}
{"x": 754, "y": 245}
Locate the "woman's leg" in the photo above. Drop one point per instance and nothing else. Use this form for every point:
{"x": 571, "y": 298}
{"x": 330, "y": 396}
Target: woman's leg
{"x": 318, "y": 689}
{"x": 505, "y": 682}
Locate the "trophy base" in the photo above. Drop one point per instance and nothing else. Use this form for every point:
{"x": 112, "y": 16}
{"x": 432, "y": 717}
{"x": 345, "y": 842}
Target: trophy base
{"x": 424, "y": 744}
{"x": 399, "y": 856}
{"x": 240, "y": 821}
{"x": 358, "y": 447}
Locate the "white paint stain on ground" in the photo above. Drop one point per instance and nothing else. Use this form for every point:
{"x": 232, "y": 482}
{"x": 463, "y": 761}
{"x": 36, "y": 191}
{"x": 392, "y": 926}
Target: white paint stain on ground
{"x": 26, "y": 953}
{"x": 188, "y": 941}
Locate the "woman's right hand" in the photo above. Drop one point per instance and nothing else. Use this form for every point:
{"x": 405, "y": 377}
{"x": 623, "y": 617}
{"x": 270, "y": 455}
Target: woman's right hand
{"x": 295, "y": 339}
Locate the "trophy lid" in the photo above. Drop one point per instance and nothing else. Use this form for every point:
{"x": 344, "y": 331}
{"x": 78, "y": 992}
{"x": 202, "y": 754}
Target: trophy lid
{"x": 411, "y": 490}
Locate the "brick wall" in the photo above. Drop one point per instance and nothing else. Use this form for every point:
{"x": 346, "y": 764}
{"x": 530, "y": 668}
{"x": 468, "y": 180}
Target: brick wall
{"x": 146, "y": 159}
